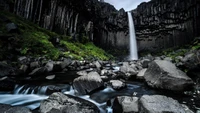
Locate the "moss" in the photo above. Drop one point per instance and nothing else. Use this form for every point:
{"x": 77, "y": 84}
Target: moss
{"x": 35, "y": 41}
{"x": 84, "y": 51}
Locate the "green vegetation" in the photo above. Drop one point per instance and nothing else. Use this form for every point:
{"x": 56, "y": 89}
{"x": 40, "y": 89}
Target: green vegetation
{"x": 36, "y": 41}
{"x": 181, "y": 51}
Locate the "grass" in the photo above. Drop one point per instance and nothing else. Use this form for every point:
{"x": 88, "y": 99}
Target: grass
{"x": 181, "y": 51}
{"x": 35, "y": 41}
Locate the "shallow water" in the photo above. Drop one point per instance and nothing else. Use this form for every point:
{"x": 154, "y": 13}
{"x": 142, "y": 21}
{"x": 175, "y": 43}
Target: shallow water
{"x": 25, "y": 96}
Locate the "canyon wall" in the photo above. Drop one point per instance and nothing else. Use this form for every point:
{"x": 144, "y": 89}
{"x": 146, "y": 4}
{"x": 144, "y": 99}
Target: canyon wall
{"x": 98, "y": 21}
{"x": 159, "y": 24}
{"x": 166, "y": 23}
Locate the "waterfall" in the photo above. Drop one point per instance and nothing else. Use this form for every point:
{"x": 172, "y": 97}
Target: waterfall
{"x": 133, "y": 43}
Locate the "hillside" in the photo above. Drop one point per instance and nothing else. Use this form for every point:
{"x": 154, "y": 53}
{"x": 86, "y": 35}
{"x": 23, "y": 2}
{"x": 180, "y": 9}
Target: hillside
{"x": 20, "y": 37}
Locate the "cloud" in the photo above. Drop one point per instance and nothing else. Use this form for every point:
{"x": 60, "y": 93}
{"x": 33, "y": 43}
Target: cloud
{"x": 126, "y": 4}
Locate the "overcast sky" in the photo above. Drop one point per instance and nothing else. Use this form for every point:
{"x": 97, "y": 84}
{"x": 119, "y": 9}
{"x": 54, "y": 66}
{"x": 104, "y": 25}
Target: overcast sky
{"x": 126, "y": 4}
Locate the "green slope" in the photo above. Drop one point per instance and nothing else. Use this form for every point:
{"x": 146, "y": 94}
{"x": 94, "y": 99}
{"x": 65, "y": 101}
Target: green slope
{"x": 32, "y": 40}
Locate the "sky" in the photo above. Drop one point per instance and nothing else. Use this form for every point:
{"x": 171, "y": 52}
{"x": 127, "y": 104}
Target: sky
{"x": 126, "y": 4}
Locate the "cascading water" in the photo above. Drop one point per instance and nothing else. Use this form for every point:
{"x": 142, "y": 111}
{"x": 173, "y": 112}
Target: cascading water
{"x": 133, "y": 43}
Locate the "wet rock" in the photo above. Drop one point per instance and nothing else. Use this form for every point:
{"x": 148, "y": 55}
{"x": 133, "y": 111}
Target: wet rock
{"x": 11, "y": 27}
{"x": 23, "y": 60}
{"x": 117, "y": 84}
{"x": 49, "y": 66}
{"x": 145, "y": 63}
{"x": 141, "y": 73}
{"x": 66, "y": 63}
{"x": 38, "y": 71}
{"x": 191, "y": 60}
{"x": 164, "y": 75}
{"x": 6, "y": 70}
{"x": 87, "y": 83}
{"x": 126, "y": 68}
{"x": 104, "y": 78}
{"x": 24, "y": 68}
{"x": 98, "y": 65}
{"x": 82, "y": 73}
{"x": 4, "y": 108}
{"x": 67, "y": 104}
{"x": 168, "y": 59}
{"x": 34, "y": 65}
{"x": 50, "y": 77}
{"x": 127, "y": 103}
{"x": 160, "y": 104}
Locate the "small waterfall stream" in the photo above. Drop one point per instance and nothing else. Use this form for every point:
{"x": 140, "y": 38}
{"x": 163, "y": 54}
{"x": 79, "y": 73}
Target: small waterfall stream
{"x": 133, "y": 43}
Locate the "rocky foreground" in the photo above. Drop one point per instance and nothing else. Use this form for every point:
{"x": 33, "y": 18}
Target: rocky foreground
{"x": 161, "y": 73}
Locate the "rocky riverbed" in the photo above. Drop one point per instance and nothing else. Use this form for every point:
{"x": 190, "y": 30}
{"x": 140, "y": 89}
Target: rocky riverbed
{"x": 148, "y": 85}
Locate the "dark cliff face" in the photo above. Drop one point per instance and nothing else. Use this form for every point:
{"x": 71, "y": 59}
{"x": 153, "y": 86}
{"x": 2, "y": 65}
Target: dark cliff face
{"x": 98, "y": 21}
{"x": 159, "y": 24}
{"x": 166, "y": 23}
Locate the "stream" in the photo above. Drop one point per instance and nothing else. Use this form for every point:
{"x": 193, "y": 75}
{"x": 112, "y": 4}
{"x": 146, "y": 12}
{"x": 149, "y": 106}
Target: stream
{"x": 31, "y": 96}
{"x": 31, "y": 93}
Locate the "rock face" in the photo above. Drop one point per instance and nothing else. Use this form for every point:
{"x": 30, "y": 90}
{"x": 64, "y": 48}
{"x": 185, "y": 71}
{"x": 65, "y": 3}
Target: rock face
{"x": 164, "y": 75}
{"x": 60, "y": 103}
{"x": 159, "y": 23}
{"x": 97, "y": 21}
{"x": 166, "y": 23}
{"x": 87, "y": 83}
{"x": 160, "y": 104}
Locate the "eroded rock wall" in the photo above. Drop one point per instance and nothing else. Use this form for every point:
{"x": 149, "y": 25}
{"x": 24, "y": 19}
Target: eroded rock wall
{"x": 166, "y": 23}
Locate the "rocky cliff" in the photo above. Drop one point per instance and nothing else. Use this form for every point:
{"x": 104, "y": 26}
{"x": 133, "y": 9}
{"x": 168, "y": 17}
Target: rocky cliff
{"x": 98, "y": 21}
{"x": 159, "y": 23}
{"x": 166, "y": 23}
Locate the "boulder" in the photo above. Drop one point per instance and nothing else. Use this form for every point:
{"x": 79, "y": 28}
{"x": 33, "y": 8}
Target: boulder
{"x": 49, "y": 66}
{"x": 82, "y": 73}
{"x": 191, "y": 60}
{"x": 60, "y": 103}
{"x": 161, "y": 104}
{"x": 117, "y": 84}
{"x": 4, "y": 108}
{"x": 126, "y": 68}
{"x": 164, "y": 75}
{"x": 127, "y": 103}
{"x": 141, "y": 73}
{"x": 34, "y": 65}
{"x": 98, "y": 65}
{"x": 87, "y": 83}
{"x": 39, "y": 71}
{"x": 66, "y": 63}
{"x": 145, "y": 63}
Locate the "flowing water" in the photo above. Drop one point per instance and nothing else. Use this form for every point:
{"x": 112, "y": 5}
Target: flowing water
{"x": 31, "y": 96}
{"x": 133, "y": 43}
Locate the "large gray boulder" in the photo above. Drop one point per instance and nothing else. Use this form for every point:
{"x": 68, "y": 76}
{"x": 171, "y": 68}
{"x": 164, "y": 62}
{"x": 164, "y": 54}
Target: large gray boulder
{"x": 60, "y": 103}
{"x": 164, "y": 75}
{"x": 161, "y": 104}
{"x": 127, "y": 104}
{"x": 87, "y": 83}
